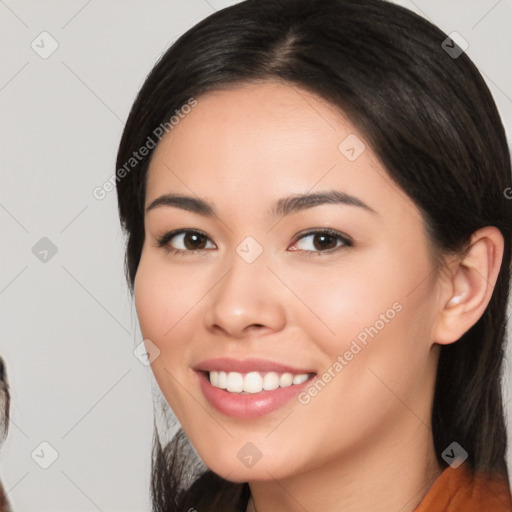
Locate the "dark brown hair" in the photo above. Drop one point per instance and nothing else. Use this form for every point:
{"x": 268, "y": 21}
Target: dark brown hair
{"x": 429, "y": 117}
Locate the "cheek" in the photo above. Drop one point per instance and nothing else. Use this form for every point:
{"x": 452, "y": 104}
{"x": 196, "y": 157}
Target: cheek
{"x": 376, "y": 316}
{"x": 164, "y": 300}
{"x": 165, "y": 303}
{"x": 342, "y": 301}
{"x": 152, "y": 308}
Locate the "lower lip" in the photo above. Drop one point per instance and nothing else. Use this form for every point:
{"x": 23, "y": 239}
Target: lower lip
{"x": 251, "y": 405}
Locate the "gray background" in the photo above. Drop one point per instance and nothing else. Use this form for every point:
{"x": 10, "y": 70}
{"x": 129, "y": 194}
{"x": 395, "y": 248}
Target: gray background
{"x": 68, "y": 326}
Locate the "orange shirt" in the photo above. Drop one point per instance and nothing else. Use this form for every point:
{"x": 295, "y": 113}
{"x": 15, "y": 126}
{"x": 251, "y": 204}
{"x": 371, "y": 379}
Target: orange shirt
{"x": 461, "y": 490}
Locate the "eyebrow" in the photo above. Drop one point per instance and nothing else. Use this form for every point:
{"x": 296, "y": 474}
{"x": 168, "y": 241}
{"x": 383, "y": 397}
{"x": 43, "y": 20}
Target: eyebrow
{"x": 282, "y": 207}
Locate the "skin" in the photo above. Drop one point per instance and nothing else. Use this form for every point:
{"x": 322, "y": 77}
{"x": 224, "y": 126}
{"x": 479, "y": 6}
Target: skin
{"x": 364, "y": 442}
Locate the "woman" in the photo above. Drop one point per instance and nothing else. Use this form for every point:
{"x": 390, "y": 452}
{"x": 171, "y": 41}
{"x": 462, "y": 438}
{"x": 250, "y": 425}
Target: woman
{"x": 314, "y": 194}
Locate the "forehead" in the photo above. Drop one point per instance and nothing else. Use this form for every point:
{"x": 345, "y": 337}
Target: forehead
{"x": 265, "y": 141}
{"x": 270, "y": 121}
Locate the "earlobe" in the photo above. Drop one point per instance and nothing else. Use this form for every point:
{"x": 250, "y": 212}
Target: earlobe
{"x": 472, "y": 281}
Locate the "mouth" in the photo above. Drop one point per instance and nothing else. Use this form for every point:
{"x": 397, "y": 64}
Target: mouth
{"x": 252, "y": 388}
{"x": 254, "y": 382}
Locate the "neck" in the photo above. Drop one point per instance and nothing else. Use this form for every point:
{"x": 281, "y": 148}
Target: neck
{"x": 395, "y": 475}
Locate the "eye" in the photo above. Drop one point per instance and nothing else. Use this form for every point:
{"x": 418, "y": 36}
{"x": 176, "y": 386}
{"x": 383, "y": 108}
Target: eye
{"x": 322, "y": 241}
{"x": 186, "y": 240}
{"x": 183, "y": 241}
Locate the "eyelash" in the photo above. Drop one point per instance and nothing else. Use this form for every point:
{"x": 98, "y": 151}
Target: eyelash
{"x": 164, "y": 240}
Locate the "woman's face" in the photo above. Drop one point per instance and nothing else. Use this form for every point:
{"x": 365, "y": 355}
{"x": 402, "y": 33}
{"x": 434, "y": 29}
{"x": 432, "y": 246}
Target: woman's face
{"x": 263, "y": 284}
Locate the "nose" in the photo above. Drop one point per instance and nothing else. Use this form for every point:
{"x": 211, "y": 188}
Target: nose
{"x": 248, "y": 298}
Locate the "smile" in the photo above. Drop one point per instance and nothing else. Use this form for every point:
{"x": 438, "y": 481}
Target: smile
{"x": 251, "y": 388}
{"x": 254, "y": 382}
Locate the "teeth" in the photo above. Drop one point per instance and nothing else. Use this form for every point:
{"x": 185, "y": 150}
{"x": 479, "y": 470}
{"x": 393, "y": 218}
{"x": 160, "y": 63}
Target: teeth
{"x": 285, "y": 380}
{"x": 222, "y": 380}
{"x": 299, "y": 379}
{"x": 271, "y": 381}
{"x": 254, "y": 382}
{"x": 235, "y": 382}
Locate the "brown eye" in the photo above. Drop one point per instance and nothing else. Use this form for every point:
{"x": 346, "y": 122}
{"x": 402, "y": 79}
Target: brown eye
{"x": 194, "y": 241}
{"x": 322, "y": 241}
{"x": 184, "y": 240}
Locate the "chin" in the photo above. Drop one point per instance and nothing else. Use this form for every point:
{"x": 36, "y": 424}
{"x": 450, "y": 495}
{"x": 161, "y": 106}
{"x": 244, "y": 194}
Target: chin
{"x": 238, "y": 476}
{"x": 239, "y": 468}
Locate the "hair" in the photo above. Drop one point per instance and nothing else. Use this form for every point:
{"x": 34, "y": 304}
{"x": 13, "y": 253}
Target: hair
{"x": 430, "y": 119}
{"x": 5, "y": 404}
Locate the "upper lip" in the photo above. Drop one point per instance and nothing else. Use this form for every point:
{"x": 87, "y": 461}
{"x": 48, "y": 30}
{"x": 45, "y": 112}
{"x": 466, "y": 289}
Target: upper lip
{"x": 225, "y": 364}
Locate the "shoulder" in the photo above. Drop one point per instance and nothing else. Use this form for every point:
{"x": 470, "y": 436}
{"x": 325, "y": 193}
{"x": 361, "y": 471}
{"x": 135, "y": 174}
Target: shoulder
{"x": 462, "y": 490}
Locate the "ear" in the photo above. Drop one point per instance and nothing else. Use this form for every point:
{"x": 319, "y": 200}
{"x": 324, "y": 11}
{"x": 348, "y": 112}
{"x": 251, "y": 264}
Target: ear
{"x": 470, "y": 285}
